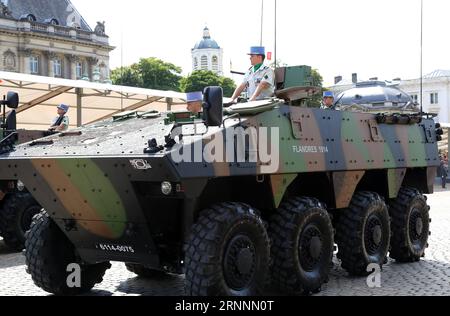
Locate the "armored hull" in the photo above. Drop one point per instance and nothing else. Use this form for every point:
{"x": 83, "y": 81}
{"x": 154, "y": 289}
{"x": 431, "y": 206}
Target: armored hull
{"x": 97, "y": 183}
{"x": 177, "y": 194}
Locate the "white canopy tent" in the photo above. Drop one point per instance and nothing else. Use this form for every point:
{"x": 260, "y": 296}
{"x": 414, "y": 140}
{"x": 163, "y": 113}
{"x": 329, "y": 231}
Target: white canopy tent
{"x": 89, "y": 102}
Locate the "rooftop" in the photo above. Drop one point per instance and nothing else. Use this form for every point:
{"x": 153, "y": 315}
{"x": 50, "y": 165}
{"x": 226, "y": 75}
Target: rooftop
{"x": 44, "y": 10}
{"x": 207, "y": 42}
{"x": 439, "y": 73}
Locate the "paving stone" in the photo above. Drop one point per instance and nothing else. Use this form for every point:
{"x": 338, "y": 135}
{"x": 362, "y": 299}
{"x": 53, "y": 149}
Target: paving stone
{"x": 431, "y": 276}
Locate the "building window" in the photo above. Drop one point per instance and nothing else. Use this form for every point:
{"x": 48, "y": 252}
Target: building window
{"x": 79, "y": 70}
{"x": 215, "y": 63}
{"x": 57, "y": 67}
{"x": 103, "y": 71}
{"x": 204, "y": 62}
{"x": 415, "y": 98}
{"x": 195, "y": 63}
{"x": 34, "y": 64}
{"x": 434, "y": 98}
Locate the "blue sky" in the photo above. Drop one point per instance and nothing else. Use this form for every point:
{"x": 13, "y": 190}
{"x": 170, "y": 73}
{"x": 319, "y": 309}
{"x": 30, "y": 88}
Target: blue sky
{"x": 373, "y": 38}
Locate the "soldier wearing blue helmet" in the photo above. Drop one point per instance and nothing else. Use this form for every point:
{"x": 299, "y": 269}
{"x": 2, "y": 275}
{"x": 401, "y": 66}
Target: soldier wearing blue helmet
{"x": 194, "y": 102}
{"x": 259, "y": 79}
{"x": 61, "y": 122}
{"x": 328, "y": 100}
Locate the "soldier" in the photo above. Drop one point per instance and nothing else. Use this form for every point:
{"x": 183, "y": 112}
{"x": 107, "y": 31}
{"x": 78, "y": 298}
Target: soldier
{"x": 194, "y": 102}
{"x": 443, "y": 172}
{"x": 259, "y": 79}
{"x": 61, "y": 122}
{"x": 328, "y": 100}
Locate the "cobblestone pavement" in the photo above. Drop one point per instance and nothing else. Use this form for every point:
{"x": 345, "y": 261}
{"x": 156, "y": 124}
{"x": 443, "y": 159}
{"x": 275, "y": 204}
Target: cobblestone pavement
{"x": 431, "y": 276}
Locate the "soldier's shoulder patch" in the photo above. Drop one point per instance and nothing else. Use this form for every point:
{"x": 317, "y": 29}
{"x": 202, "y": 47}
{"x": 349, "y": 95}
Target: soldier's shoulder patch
{"x": 266, "y": 77}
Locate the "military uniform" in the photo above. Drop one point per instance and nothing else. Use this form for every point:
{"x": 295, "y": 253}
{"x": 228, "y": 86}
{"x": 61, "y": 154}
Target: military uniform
{"x": 254, "y": 78}
{"x": 324, "y": 107}
{"x": 58, "y": 121}
{"x": 442, "y": 170}
{"x": 326, "y": 95}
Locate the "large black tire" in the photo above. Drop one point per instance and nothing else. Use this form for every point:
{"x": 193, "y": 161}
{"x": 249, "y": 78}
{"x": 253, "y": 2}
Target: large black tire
{"x": 302, "y": 246}
{"x": 410, "y": 226}
{"x": 144, "y": 272}
{"x": 363, "y": 233}
{"x": 15, "y": 218}
{"x": 228, "y": 253}
{"x": 48, "y": 253}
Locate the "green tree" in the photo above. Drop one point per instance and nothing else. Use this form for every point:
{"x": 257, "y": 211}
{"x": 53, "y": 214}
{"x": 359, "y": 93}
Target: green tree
{"x": 317, "y": 78}
{"x": 317, "y": 81}
{"x": 150, "y": 73}
{"x": 200, "y": 79}
{"x": 127, "y": 76}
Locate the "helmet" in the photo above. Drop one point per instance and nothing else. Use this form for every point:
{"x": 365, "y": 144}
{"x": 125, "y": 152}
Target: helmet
{"x": 63, "y": 107}
{"x": 257, "y": 50}
{"x": 328, "y": 94}
{"x": 194, "y": 97}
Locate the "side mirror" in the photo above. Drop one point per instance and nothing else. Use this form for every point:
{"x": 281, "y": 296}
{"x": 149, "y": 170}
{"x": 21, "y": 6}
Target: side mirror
{"x": 12, "y": 100}
{"x": 213, "y": 106}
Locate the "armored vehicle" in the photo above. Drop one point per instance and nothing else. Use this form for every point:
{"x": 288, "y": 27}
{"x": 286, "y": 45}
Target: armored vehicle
{"x": 17, "y": 205}
{"x": 376, "y": 97}
{"x": 242, "y": 197}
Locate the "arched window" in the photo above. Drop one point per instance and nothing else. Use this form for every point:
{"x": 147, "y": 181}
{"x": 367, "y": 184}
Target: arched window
{"x": 28, "y": 18}
{"x": 215, "y": 63}
{"x": 195, "y": 63}
{"x": 51, "y": 21}
{"x": 204, "y": 62}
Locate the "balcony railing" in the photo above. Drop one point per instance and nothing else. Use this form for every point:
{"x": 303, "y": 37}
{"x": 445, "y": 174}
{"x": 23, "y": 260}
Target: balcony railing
{"x": 65, "y": 32}
{"x": 39, "y": 27}
{"x": 84, "y": 35}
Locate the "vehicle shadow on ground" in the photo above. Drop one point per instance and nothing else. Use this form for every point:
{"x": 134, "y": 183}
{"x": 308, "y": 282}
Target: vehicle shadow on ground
{"x": 165, "y": 285}
{"x": 4, "y": 250}
{"x": 10, "y": 258}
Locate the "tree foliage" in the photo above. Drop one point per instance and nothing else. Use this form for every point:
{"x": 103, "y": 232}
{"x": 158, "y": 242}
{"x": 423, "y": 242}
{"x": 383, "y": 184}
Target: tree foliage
{"x": 317, "y": 78}
{"x": 200, "y": 79}
{"x": 150, "y": 73}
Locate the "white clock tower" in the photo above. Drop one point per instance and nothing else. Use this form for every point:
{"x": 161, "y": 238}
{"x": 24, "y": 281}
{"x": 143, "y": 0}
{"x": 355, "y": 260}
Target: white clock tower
{"x": 207, "y": 54}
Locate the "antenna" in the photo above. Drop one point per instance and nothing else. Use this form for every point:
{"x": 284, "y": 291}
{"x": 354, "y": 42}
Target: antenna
{"x": 421, "y": 56}
{"x": 275, "y": 50}
{"x": 262, "y": 22}
{"x": 121, "y": 69}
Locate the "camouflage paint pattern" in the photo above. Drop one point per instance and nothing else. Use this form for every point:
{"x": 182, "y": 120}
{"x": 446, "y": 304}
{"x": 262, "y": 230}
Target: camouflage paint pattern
{"x": 90, "y": 177}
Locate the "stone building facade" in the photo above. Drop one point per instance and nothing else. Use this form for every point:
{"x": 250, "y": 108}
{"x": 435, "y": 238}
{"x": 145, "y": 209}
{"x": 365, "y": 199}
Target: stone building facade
{"x": 50, "y": 38}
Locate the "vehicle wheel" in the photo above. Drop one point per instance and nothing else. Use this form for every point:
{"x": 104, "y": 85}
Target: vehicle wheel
{"x": 363, "y": 233}
{"x": 15, "y": 219}
{"x": 144, "y": 272}
{"x": 410, "y": 226}
{"x": 228, "y": 253}
{"x": 48, "y": 253}
{"x": 302, "y": 246}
